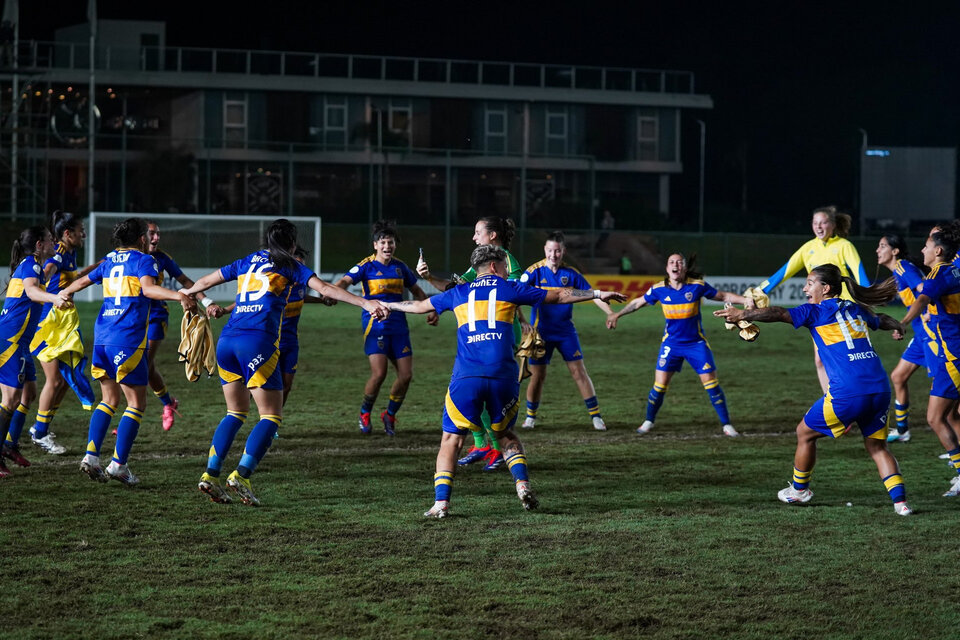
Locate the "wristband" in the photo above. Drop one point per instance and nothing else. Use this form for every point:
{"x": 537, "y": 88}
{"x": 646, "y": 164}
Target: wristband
{"x": 596, "y": 294}
{"x": 206, "y": 302}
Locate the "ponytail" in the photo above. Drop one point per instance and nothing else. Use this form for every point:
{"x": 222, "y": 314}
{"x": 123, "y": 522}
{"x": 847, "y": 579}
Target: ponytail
{"x": 63, "y": 221}
{"x": 26, "y": 244}
{"x": 505, "y": 228}
{"x": 280, "y": 240}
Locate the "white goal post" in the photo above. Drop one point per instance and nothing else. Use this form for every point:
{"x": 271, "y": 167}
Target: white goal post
{"x": 200, "y": 243}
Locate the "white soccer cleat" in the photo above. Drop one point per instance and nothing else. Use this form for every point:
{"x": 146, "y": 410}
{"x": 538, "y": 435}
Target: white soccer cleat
{"x": 645, "y": 427}
{"x": 529, "y": 423}
{"x": 49, "y": 444}
{"x": 599, "y": 424}
{"x": 440, "y": 509}
{"x": 895, "y": 436}
{"x": 728, "y": 430}
{"x": 954, "y": 489}
{"x": 121, "y": 473}
{"x": 792, "y": 495}
{"x": 90, "y": 465}
{"x": 525, "y": 493}
{"x": 903, "y": 509}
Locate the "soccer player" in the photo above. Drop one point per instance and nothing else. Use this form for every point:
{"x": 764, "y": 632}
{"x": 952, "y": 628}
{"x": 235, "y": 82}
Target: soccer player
{"x": 922, "y": 349}
{"x": 485, "y": 373}
{"x": 498, "y": 232}
{"x": 159, "y": 316}
{"x": 555, "y": 325}
{"x": 830, "y": 246}
{"x": 248, "y": 351}
{"x": 59, "y": 270}
{"x": 679, "y": 296}
{"x": 383, "y": 277}
{"x": 940, "y": 294}
{"x": 858, "y": 389}
{"x": 24, "y": 299}
{"x": 129, "y": 276}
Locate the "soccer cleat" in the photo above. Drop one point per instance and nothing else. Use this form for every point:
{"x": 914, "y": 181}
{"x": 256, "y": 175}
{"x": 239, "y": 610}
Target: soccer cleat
{"x": 242, "y": 487}
{"x": 792, "y": 495}
{"x": 364, "y": 422}
{"x": 211, "y": 486}
{"x": 728, "y": 430}
{"x": 525, "y": 493}
{"x": 12, "y": 452}
{"x": 90, "y": 465}
{"x": 494, "y": 460}
{"x": 170, "y": 414}
{"x": 954, "y": 489}
{"x": 902, "y": 509}
{"x": 48, "y": 443}
{"x": 4, "y": 472}
{"x": 389, "y": 423}
{"x": 599, "y": 424}
{"x": 645, "y": 427}
{"x": 474, "y": 455}
{"x": 896, "y": 436}
{"x": 121, "y": 473}
{"x": 440, "y": 509}
{"x": 529, "y": 423}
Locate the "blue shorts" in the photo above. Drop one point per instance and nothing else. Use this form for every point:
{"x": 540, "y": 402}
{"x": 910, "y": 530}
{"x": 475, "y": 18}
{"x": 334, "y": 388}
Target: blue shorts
{"x": 249, "y": 357}
{"x": 289, "y": 356}
{"x": 698, "y": 354}
{"x": 126, "y": 365}
{"x": 467, "y": 397}
{"x": 568, "y": 346}
{"x": 918, "y": 352}
{"x": 157, "y": 328}
{"x": 13, "y": 364}
{"x": 394, "y": 346}
{"x": 834, "y": 416}
{"x": 946, "y": 379}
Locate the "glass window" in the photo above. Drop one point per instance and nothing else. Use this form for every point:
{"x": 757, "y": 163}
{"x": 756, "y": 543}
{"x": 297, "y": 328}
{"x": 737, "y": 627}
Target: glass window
{"x": 647, "y": 147}
{"x": 495, "y": 128}
{"x": 556, "y": 129}
{"x": 235, "y": 120}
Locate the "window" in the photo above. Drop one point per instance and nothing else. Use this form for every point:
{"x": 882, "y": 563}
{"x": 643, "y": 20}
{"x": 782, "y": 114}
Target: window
{"x": 235, "y": 120}
{"x": 400, "y": 120}
{"x": 647, "y": 137}
{"x": 335, "y": 120}
{"x": 556, "y": 130}
{"x": 495, "y": 129}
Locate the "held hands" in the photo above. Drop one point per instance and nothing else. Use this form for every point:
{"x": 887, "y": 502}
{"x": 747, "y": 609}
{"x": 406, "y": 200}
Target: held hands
{"x": 730, "y": 314}
{"x": 187, "y": 302}
{"x": 433, "y": 318}
{"x": 607, "y": 296}
{"x": 612, "y": 320}
{"x": 63, "y": 301}
{"x": 377, "y": 309}
{"x": 214, "y": 310}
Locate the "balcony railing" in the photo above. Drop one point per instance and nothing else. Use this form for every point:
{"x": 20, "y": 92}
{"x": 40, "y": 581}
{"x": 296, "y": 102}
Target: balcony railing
{"x": 63, "y": 55}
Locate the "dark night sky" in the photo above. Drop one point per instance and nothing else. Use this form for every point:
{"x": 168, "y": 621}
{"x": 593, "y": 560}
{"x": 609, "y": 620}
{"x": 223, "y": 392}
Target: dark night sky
{"x": 792, "y": 82}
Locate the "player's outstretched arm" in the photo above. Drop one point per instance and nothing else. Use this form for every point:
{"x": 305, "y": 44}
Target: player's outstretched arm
{"x": 770, "y": 314}
{"x": 212, "y": 279}
{"x": 412, "y": 306}
{"x": 729, "y": 296}
{"x": 632, "y": 306}
{"x": 419, "y": 294}
{"x": 327, "y": 290}
{"x": 33, "y": 290}
{"x": 154, "y": 291}
{"x": 65, "y": 297}
{"x": 916, "y": 309}
{"x": 213, "y": 309}
{"x": 891, "y": 324}
{"x": 569, "y": 296}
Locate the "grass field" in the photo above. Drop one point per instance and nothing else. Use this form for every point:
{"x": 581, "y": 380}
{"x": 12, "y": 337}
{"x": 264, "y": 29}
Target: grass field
{"x": 676, "y": 534}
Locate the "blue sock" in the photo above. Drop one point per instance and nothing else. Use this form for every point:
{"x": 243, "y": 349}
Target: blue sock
{"x": 42, "y": 425}
{"x": 593, "y": 407}
{"x": 532, "y": 408}
{"x": 126, "y": 433}
{"x": 367, "y": 405}
{"x": 442, "y": 485}
{"x": 99, "y": 423}
{"x": 394, "y": 405}
{"x": 517, "y": 463}
{"x": 164, "y": 396}
{"x": 222, "y": 439}
{"x": 902, "y": 414}
{"x": 258, "y": 442}
{"x": 718, "y": 400}
{"x": 895, "y": 487}
{"x": 655, "y": 400}
{"x": 17, "y": 421}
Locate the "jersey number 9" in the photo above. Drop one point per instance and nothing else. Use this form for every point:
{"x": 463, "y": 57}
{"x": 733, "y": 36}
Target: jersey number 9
{"x": 116, "y": 283}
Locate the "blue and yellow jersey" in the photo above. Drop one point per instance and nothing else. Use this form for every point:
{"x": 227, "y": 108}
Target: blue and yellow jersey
{"x": 262, "y": 292}
{"x": 908, "y": 277}
{"x": 166, "y": 264}
{"x": 553, "y": 321}
{"x": 20, "y": 314}
{"x": 122, "y": 321}
{"x": 65, "y": 271}
{"x": 942, "y": 286}
{"x": 681, "y": 308}
{"x": 514, "y": 270}
{"x": 485, "y": 309}
{"x": 383, "y": 282}
{"x": 290, "y": 326}
{"x": 839, "y": 329}
{"x": 836, "y": 250}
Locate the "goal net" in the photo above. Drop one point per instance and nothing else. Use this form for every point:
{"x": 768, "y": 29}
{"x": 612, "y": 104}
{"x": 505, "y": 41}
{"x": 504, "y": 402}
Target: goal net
{"x": 200, "y": 243}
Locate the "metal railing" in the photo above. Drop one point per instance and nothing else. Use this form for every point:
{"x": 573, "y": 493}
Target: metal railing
{"x": 37, "y": 54}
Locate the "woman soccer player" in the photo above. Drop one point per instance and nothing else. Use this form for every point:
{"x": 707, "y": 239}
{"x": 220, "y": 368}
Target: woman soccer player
{"x": 679, "y": 295}
{"x": 555, "y": 325}
{"x": 59, "y": 270}
{"x": 384, "y": 278}
{"x": 21, "y": 312}
{"x": 129, "y": 276}
{"x": 247, "y": 351}
{"x": 157, "y": 327}
{"x": 920, "y": 352}
{"x": 858, "y": 389}
{"x": 498, "y": 232}
{"x": 830, "y": 246}
{"x": 941, "y": 296}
